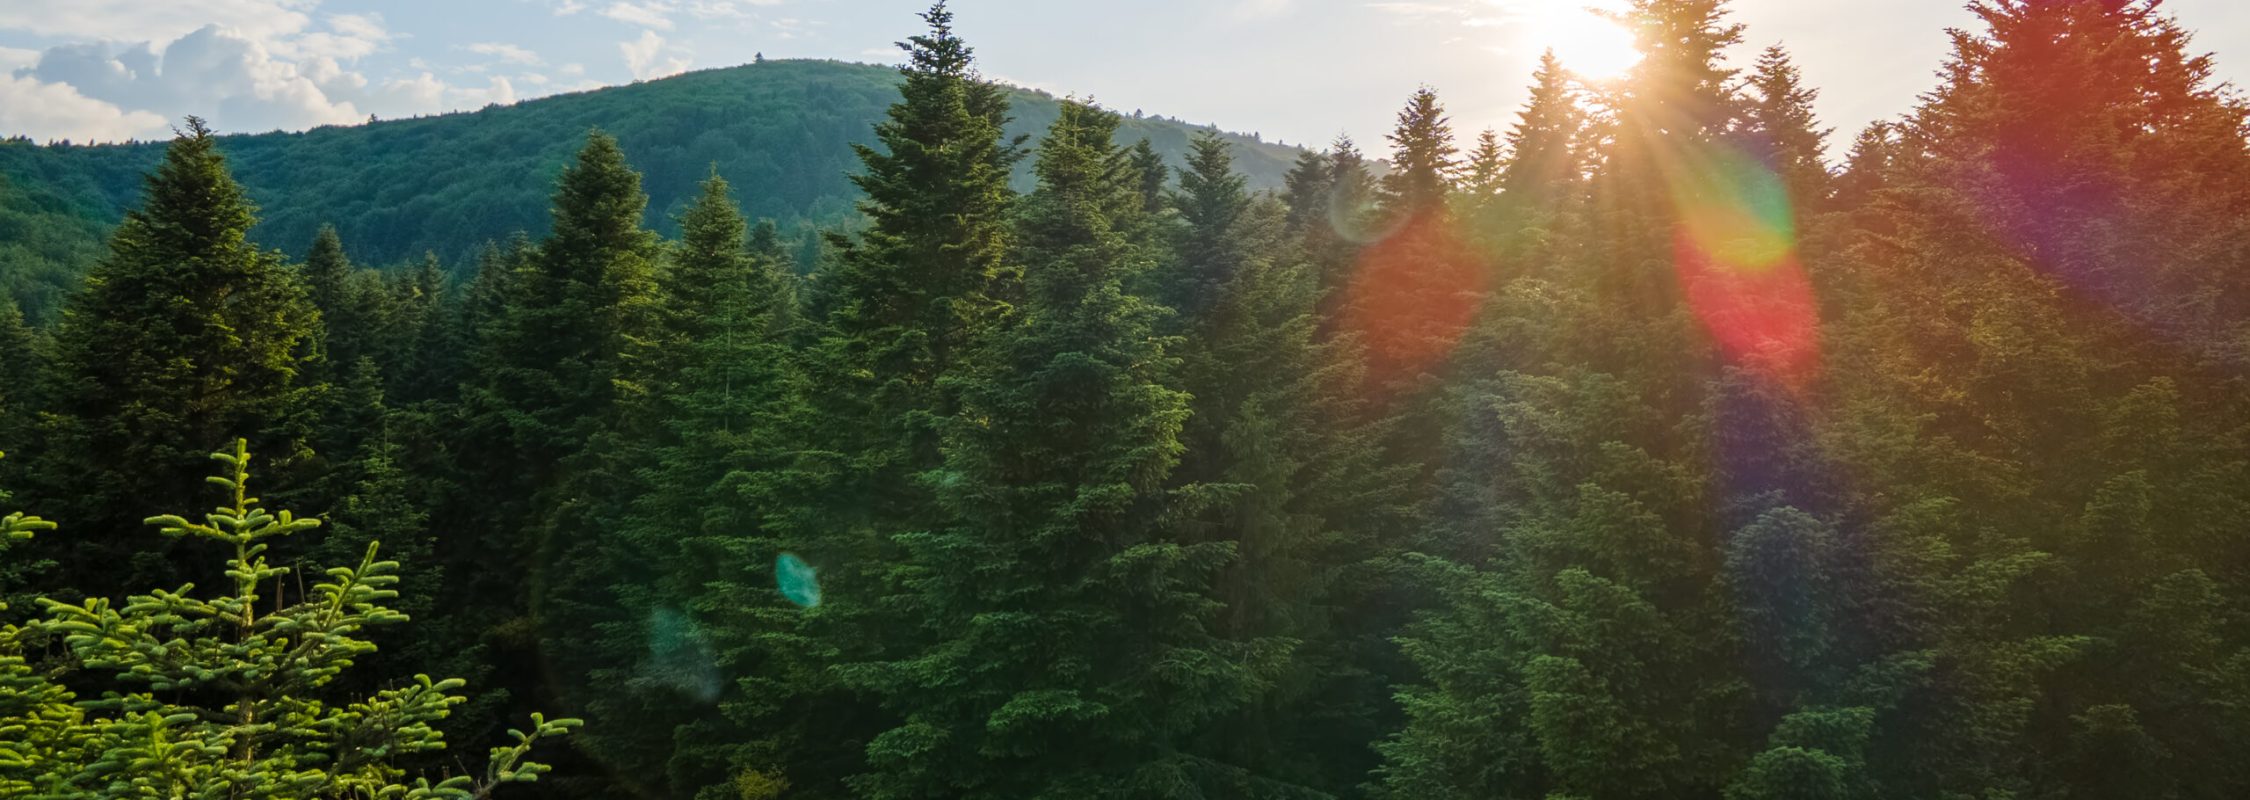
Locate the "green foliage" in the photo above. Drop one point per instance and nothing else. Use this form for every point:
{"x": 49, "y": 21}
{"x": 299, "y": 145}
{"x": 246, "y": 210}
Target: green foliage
{"x": 186, "y": 333}
{"x": 215, "y": 699}
{"x": 1054, "y": 486}
{"x": 451, "y": 183}
{"x": 1632, "y": 456}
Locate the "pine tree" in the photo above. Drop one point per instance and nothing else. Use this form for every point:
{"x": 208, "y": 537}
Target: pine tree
{"x": 20, "y": 350}
{"x": 329, "y": 277}
{"x": 1417, "y": 288}
{"x": 903, "y": 301}
{"x": 220, "y": 699}
{"x": 1073, "y": 656}
{"x": 540, "y": 423}
{"x": 1544, "y": 146}
{"x": 1483, "y": 168}
{"x": 187, "y": 333}
{"x": 1278, "y": 422}
{"x": 1781, "y": 130}
{"x": 687, "y": 568}
{"x": 1422, "y": 158}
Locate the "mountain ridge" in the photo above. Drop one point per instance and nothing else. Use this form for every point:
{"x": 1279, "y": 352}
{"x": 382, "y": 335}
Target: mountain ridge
{"x": 780, "y": 130}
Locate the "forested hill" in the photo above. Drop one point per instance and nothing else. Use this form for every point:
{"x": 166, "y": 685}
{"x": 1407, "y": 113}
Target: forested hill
{"x": 781, "y": 130}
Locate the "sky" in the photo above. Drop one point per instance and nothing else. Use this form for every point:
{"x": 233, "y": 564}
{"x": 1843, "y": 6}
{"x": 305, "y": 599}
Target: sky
{"x": 1299, "y": 71}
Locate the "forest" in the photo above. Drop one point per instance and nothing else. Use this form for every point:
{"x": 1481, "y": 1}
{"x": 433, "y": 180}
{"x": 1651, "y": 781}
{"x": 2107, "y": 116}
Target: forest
{"x": 401, "y": 189}
{"x": 1644, "y": 449}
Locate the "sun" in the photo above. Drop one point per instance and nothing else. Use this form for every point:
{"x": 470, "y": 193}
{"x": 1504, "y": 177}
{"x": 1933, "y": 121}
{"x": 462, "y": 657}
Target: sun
{"x": 1589, "y": 44}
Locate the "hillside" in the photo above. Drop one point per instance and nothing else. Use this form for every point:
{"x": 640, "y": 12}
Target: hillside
{"x": 781, "y": 131}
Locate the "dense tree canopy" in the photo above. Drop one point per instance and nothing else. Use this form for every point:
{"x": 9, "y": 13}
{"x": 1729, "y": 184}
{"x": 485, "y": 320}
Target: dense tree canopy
{"x": 1635, "y": 449}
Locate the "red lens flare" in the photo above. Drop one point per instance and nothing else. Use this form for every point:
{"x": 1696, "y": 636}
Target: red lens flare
{"x": 1412, "y": 296}
{"x": 1735, "y": 251}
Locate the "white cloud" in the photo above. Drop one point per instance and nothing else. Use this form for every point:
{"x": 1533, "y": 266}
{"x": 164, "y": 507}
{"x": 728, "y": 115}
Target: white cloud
{"x": 12, "y": 59}
{"x": 512, "y": 54}
{"x": 140, "y": 20}
{"x": 644, "y": 57}
{"x": 500, "y": 91}
{"x": 350, "y": 37}
{"x": 49, "y": 111}
{"x": 235, "y": 81}
{"x": 651, "y": 15}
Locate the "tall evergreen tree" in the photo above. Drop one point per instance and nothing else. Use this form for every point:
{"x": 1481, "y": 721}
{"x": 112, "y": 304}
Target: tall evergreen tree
{"x": 541, "y": 416}
{"x": 1279, "y": 425}
{"x": 1073, "y": 655}
{"x": 1483, "y": 167}
{"x": 328, "y": 277}
{"x": 1781, "y": 130}
{"x": 677, "y": 593}
{"x": 1422, "y": 158}
{"x": 1544, "y": 157}
{"x": 186, "y": 335}
{"x": 20, "y": 350}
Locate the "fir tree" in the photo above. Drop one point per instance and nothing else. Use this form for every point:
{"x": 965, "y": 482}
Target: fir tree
{"x": 903, "y": 301}
{"x": 1279, "y": 424}
{"x": 1074, "y": 655}
{"x": 1308, "y": 185}
{"x": 224, "y": 697}
{"x": 20, "y": 350}
{"x": 541, "y": 421}
{"x": 679, "y": 600}
{"x": 1149, "y": 165}
{"x": 1483, "y": 168}
{"x": 1544, "y": 158}
{"x": 1422, "y": 158}
{"x": 186, "y": 333}
{"x": 329, "y": 278}
{"x": 1778, "y": 121}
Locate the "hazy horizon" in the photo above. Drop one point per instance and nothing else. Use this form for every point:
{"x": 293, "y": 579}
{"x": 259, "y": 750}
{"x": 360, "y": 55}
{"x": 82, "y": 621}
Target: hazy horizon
{"x": 1298, "y": 71}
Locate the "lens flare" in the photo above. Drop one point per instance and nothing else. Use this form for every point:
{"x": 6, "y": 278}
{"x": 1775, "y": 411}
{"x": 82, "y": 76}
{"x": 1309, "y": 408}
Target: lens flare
{"x": 1735, "y": 250}
{"x": 680, "y": 657}
{"x": 797, "y": 580}
{"x": 1412, "y": 296}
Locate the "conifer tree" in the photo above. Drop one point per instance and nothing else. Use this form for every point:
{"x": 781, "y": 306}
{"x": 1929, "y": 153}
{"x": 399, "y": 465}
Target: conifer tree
{"x": 1349, "y": 216}
{"x": 329, "y": 277}
{"x": 1306, "y": 191}
{"x": 187, "y": 333}
{"x": 1417, "y": 288}
{"x": 1074, "y": 657}
{"x": 1422, "y": 158}
{"x": 1154, "y": 176}
{"x": 901, "y": 303}
{"x": 1866, "y": 166}
{"x": 225, "y": 697}
{"x": 20, "y": 350}
{"x": 1544, "y": 158}
{"x": 541, "y": 421}
{"x": 1778, "y": 121}
{"x": 1279, "y": 422}
{"x": 1483, "y": 167}
{"x": 686, "y": 572}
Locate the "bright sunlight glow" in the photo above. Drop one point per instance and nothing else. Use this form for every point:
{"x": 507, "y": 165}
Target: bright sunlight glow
{"x": 1589, "y": 44}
